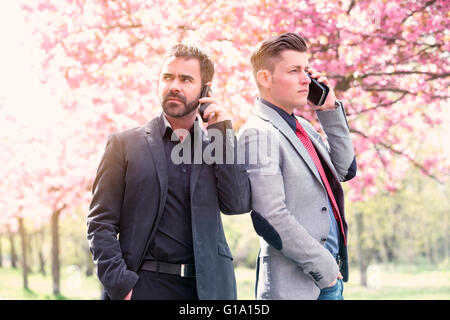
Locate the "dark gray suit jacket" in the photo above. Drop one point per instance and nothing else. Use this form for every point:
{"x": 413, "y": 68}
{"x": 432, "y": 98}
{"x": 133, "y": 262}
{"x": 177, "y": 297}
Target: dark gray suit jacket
{"x": 129, "y": 194}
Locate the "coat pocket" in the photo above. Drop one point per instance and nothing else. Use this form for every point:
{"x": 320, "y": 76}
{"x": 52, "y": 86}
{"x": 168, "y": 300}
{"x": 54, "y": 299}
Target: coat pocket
{"x": 224, "y": 250}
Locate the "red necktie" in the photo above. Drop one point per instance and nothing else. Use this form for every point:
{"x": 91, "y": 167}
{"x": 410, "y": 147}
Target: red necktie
{"x": 303, "y": 136}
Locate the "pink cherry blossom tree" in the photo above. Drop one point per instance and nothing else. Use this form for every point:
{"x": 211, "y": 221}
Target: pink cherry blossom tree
{"x": 388, "y": 62}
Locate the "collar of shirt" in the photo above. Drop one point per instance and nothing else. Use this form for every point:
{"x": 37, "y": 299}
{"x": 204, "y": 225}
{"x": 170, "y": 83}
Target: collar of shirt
{"x": 166, "y": 128}
{"x": 289, "y": 118}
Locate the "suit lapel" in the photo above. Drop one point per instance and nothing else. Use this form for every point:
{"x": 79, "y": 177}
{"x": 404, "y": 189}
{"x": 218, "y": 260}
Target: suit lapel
{"x": 278, "y": 122}
{"x": 199, "y": 140}
{"x": 155, "y": 143}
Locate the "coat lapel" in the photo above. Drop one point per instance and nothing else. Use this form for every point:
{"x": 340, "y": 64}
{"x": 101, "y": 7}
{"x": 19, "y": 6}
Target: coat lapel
{"x": 155, "y": 143}
{"x": 278, "y": 122}
{"x": 200, "y": 141}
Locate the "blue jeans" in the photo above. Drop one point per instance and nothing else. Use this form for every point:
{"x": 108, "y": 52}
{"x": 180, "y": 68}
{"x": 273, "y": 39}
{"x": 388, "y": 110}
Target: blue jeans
{"x": 333, "y": 293}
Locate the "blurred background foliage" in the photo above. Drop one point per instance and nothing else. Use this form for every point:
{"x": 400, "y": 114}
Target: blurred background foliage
{"x": 93, "y": 67}
{"x": 398, "y": 248}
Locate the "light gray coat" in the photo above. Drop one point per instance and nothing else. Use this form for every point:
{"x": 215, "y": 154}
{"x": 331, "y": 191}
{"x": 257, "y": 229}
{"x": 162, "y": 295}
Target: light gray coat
{"x": 289, "y": 200}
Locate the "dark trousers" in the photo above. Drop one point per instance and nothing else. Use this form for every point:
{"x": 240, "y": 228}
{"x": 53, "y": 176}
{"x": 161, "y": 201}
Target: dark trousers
{"x": 163, "y": 286}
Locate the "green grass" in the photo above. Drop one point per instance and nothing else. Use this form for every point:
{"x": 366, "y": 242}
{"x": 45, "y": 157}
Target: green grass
{"x": 401, "y": 283}
{"x": 245, "y": 279}
{"x": 73, "y": 286}
{"x": 384, "y": 282}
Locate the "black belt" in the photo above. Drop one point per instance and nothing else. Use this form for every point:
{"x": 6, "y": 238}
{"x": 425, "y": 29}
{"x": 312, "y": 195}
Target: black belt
{"x": 182, "y": 270}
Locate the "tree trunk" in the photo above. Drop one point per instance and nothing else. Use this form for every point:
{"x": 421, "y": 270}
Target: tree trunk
{"x": 431, "y": 251}
{"x": 30, "y": 256}
{"x": 445, "y": 245}
{"x": 13, "y": 250}
{"x": 40, "y": 252}
{"x": 23, "y": 237}
{"x": 362, "y": 263}
{"x": 55, "y": 252}
{"x": 1, "y": 253}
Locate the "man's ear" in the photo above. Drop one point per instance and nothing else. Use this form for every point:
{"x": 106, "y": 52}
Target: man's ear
{"x": 264, "y": 78}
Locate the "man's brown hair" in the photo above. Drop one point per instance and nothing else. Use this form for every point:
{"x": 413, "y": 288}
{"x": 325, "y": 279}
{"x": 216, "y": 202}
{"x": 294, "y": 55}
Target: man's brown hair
{"x": 191, "y": 52}
{"x": 266, "y": 54}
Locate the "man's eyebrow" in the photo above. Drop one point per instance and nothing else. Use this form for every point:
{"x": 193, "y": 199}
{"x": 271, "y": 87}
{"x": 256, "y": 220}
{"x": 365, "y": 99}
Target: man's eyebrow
{"x": 300, "y": 67}
{"x": 182, "y": 76}
{"x": 186, "y": 76}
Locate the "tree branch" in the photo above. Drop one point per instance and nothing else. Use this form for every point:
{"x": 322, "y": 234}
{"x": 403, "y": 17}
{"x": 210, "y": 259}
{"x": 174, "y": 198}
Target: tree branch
{"x": 399, "y": 153}
{"x": 427, "y": 4}
{"x": 350, "y": 7}
{"x": 185, "y": 27}
{"x": 431, "y": 74}
{"x": 388, "y": 89}
{"x": 380, "y": 105}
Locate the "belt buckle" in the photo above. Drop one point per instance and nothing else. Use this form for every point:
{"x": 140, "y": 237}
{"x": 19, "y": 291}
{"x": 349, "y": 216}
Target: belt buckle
{"x": 184, "y": 271}
{"x": 187, "y": 271}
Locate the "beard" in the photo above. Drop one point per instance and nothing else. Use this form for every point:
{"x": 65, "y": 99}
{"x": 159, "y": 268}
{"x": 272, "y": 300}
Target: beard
{"x": 180, "y": 108}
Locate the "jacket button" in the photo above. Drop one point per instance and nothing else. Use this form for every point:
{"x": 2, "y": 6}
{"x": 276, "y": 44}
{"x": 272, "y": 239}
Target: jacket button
{"x": 324, "y": 209}
{"x": 323, "y": 239}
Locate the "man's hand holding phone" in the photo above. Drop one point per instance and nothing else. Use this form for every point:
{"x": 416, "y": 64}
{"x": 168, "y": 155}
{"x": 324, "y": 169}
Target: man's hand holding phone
{"x": 330, "y": 100}
{"x": 213, "y": 112}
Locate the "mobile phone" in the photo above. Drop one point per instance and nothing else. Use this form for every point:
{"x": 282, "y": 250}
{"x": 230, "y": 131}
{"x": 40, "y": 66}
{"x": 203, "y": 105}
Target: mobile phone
{"x": 317, "y": 91}
{"x": 202, "y": 107}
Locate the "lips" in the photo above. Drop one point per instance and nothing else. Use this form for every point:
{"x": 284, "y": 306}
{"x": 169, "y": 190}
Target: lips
{"x": 174, "y": 99}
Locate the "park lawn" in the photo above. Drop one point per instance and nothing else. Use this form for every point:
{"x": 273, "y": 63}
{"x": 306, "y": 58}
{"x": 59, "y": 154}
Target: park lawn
{"x": 73, "y": 286}
{"x": 400, "y": 283}
{"x": 384, "y": 283}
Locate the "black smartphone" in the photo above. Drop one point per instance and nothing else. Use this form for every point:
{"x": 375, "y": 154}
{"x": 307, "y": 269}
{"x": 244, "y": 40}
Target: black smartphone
{"x": 202, "y": 107}
{"x": 317, "y": 92}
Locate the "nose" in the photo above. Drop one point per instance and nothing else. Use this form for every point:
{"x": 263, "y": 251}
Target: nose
{"x": 304, "y": 78}
{"x": 174, "y": 86}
